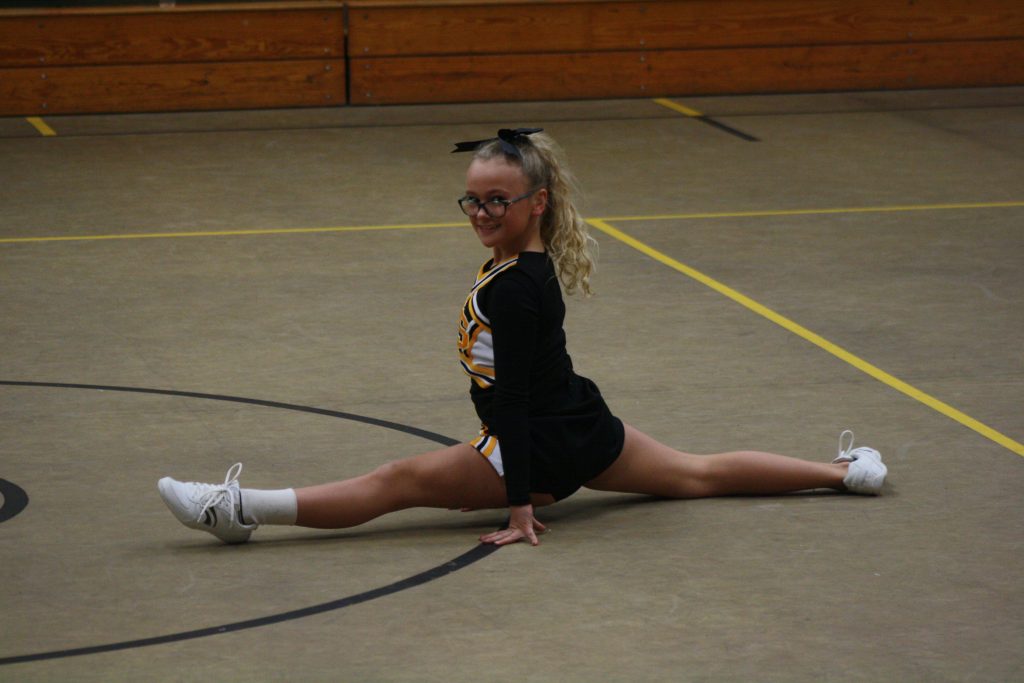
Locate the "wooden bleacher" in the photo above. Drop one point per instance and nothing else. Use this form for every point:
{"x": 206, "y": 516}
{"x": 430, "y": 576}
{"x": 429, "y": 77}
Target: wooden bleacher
{"x": 356, "y": 52}
{"x": 152, "y": 58}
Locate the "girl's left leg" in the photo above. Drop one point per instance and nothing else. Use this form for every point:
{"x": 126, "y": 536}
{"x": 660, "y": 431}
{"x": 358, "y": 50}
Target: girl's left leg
{"x": 649, "y": 467}
{"x": 453, "y": 477}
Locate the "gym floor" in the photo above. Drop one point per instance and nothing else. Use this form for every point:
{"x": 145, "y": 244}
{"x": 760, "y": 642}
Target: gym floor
{"x": 184, "y": 291}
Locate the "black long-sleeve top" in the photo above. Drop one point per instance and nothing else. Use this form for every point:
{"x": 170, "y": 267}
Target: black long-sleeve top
{"x": 531, "y": 365}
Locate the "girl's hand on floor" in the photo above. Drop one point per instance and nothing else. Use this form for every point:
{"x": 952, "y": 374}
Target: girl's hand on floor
{"x": 522, "y": 525}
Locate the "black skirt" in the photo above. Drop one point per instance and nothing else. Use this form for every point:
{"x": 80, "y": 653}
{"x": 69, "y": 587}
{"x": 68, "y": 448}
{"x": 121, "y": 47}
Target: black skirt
{"x": 574, "y": 443}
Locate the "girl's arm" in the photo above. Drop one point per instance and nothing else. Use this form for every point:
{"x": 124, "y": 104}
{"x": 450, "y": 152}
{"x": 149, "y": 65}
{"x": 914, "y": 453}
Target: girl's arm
{"x": 515, "y": 317}
{"x": 521, "y": 525}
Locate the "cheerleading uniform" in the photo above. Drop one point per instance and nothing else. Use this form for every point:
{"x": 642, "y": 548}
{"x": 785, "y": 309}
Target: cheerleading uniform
{"x": 545, "y": 428}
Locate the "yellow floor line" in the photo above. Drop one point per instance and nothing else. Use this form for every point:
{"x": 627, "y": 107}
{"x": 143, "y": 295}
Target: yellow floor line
{"x": 675, "y": 106}
{"x": 41, "y": 126}
{"x": 815, "y": 339}
{"x": 811, "y": 212}
{"x": 228, "y": 233}
{"x": 610, "y": 219}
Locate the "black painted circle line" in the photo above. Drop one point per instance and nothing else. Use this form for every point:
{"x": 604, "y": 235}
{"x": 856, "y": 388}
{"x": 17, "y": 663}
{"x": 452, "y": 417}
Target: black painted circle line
{"x": 15, "y": 499}
{"x": 464, "y": 560}
{"x": 415, "y": 431}
{"x": 478, "y": 553}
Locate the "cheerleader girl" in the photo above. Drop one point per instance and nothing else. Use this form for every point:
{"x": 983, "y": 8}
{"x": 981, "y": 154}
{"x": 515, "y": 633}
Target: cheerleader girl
{"x": 546, "y": 431}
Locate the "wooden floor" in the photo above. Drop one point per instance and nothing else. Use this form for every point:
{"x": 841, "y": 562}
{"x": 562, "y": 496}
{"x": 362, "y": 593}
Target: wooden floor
{"x": 281, "y": 288}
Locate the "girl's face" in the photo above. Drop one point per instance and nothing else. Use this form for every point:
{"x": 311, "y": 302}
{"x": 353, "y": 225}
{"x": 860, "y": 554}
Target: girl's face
{"x": 519, "y": 229}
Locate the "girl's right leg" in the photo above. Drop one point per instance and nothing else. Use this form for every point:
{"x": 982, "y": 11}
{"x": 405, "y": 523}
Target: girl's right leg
{"x": 649, "y": 467}
{"x": 453, "y": 477}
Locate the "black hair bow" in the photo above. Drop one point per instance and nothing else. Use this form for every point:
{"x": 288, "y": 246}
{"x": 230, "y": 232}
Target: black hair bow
{"x": 508, "y": 138}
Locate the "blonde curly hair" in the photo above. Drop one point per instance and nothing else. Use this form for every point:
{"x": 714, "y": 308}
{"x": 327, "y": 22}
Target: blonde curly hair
{"x": 562, "y": 229}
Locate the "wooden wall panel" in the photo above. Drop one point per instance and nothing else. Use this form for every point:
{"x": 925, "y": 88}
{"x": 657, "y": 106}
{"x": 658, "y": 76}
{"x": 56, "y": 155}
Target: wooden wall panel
{"x": 459, "y": 50}
{"x": 118, "y": 59}
{"x": 172, "y": 87}
{"x": 170, "y": 37}
{"x": 399, "y": 80}
{"x": 281, "y": 54}
{"x": 489, "y": 78}
{"x": 518, "y": 28}
{"x": 836, "y": 67}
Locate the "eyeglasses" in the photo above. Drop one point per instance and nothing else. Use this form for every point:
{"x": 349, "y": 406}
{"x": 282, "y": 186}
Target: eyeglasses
{"x": 494, "y": 208}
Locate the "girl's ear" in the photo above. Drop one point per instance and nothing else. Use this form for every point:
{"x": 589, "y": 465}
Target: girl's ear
{"x": 540, "y": 202}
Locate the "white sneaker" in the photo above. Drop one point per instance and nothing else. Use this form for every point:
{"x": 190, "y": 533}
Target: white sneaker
{"x": 211, "y": 507}
{"x": 867, "y": 472}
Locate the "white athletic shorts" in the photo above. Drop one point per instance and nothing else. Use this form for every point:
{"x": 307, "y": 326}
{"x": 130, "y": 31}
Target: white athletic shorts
{"x": 489, "y": 448}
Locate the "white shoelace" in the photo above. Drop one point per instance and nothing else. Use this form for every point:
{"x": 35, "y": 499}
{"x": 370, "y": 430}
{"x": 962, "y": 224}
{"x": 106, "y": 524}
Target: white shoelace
{"x": 218, "y": 493}
{"x": 845, "y": 454}
{"x": 849, "y": 453}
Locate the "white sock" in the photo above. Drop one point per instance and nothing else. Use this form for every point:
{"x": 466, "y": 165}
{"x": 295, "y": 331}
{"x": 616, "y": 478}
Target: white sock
{"x": 260, "y": 506}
